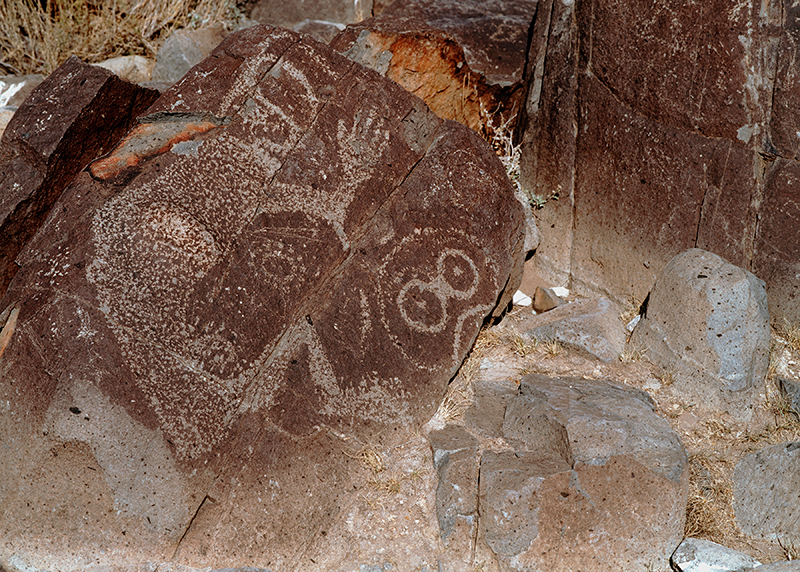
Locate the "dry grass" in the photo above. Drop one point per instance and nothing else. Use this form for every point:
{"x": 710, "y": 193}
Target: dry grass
{"x": 632, "y": 355}
{"x": 709, "y": 512}
{"x": 36, "y": 36}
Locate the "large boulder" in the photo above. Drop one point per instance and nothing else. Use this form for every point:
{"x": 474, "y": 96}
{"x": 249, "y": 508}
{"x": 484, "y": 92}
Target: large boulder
{"x": 707, "y": 322}
{"x": 78, "y": 113}
{"x": 662, "y": 129}
{"x": 589, "y": 478}
{"x": 286, "y": 259}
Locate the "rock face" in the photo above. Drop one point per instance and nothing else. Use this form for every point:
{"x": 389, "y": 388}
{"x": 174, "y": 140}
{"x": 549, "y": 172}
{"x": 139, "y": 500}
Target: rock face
{"x": 78, "y": 113}
{"x": 663, "y": 129}
{"x": 697, "y": 554}
{"x": 465, "y": 59}
{"x": 287, "y": 257}
{"x": 592, "y": 327}
{"x": 765, "y": 493}
{"x": 707, "y": 321}
{"x": 593, "y": 476}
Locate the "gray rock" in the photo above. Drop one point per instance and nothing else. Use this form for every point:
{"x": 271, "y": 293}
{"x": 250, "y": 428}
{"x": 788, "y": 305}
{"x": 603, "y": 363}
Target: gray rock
{"x": 16, "y": 89}
{"x": 591, "y": 327}
{"x": 707, "y": 320}
{"x": 456, "y": 460}
{"x": 785, "y": 566}
{"x": 487, "y": 412}
{"x": 790, "y": 389}
{"x": 612, "y": 489}
{"x": 320, "y": 29}
{"x": 136, "y": 69}
{"x": 289, "y": 14}
{"x": 766, "y": 493}
{"x": 699, "y": 555}
{"x": 184, "y": 49}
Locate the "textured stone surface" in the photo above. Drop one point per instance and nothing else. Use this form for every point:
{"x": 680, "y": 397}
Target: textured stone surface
{"x": 790, "y": 388}
{"x": 213, "y": 325}
{"x": 699, "y": 555}
{"x": 77, "y": 113}
{"x": 289, "y": 14}
{"x": 14, "y": 89}
{"x": 707, "y": 321}
{"x": 183, "y": 50}
{"x": 596, "y": 478}
{"x": 464, "y": 59}
{"x": 590, "y": 326}
{"x": 663, "y": 129}
{"x": 136, "y": 69}
{"x": 766, "y": 493}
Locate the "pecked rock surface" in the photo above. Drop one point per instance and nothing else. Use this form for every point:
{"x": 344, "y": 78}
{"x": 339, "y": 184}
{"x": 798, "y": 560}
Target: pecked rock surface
{"x": 288, "y": 257}
{"x": 77, "y": 114}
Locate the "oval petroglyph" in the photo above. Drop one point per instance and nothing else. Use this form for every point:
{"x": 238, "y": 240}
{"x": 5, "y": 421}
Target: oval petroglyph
{"x": 423, "y": 304}
{"x": 433, "y": 297}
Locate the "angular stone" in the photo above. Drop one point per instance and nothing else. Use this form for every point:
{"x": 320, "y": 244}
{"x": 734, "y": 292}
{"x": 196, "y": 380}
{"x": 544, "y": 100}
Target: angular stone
{"x": 77, "y": 113}
{"x": 699, "y": 555}
{"x": 591, "y": 327}
{"x": 785, "y": 566}
{"x": 766, "y": 489}
{"x": 289, "y": 14}
{"x": 790, "y": 389}
{"x": 707, "y": 321}
{"x": 618, "y": 496}
{"x": 456, "y": 461}
{"x": 206, "y": 331}
{"x": 464, "y": 59}
{"x": 136, "y": 69}
{"x": 544, "y": 299}
{"x": 14, "y": 89}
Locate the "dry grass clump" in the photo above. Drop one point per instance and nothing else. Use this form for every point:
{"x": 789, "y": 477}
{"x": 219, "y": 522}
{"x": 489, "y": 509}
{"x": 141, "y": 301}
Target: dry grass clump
{"x": 36, "y": 36}
{"x": 709, "y": 512}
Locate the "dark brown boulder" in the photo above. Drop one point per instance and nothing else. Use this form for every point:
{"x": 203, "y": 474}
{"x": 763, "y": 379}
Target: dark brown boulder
{"x": 287, "y": 258}
{"x": 78, "y": 113}
{"x": 464, "y": 58}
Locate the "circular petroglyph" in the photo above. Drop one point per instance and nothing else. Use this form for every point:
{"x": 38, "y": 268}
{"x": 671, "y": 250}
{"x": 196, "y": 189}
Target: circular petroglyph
{"x": 431, "y": 285}
{"x": 423, "y": 304}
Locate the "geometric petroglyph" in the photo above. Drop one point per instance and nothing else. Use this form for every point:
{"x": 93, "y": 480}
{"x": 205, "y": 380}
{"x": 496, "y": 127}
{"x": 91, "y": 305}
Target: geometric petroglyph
{"x": 423, "y": 304}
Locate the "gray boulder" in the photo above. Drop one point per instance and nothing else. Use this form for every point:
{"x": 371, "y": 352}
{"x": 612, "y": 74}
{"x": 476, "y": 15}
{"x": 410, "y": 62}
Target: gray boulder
{"x": 766, "y": 493}
{"x": 591, "y": 327}
{"x": 699, "y": 555}
{"x": 707, "y": 321}
{"x": 184, "y": 49}
{"x": 595, "y": 478}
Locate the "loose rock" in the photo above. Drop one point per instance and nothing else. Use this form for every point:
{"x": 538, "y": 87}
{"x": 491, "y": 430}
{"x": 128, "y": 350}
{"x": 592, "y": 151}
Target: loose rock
{"x": 707, "y": 321}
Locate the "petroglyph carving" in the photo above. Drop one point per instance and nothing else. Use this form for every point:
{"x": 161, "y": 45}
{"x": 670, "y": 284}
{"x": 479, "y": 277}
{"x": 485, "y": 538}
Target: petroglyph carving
{"x": 423, "y": 305}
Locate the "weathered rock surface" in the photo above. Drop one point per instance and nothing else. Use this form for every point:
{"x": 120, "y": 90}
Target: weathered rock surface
{"x": 766, "y": 493}
{"x": 590, "y": 326}
{"x": 289, "y": 14}
{"x": 136, "y": 69}
{"x": 16, "y": 89}
{"x": 544, "y": 300}
{"x": 287, "y": 257}
{"x": 183, "y": 50}
{"x": 595, "y": 478}
{"x": 661, "y": 130}
{"x": 790, "y": 388}
{"x": 707, "y": 321}
{"x": 465, "y": 59}
{"x": 78, "y": 113}
{"x": 699, "y": 555}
